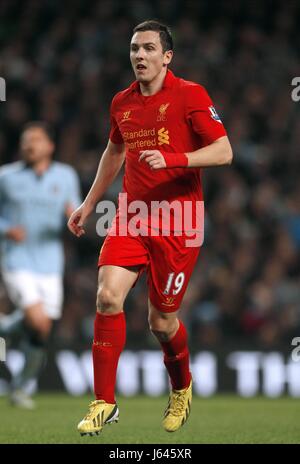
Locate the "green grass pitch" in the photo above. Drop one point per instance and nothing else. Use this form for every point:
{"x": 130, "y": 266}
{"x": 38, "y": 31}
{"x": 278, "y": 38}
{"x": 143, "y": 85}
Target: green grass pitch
{"x": 221, "y": 419}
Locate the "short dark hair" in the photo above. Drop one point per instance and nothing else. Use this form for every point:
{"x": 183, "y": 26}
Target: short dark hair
{"x": 164, "y": 32}
{"x": 44, "y": 126}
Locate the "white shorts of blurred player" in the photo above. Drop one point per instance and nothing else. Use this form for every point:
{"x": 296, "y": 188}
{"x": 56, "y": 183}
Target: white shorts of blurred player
{"x": 26, "y": 288}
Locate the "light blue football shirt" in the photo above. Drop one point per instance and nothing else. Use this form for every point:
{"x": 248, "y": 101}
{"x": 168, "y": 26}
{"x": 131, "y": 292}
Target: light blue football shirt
{"x": 37, "y": 203}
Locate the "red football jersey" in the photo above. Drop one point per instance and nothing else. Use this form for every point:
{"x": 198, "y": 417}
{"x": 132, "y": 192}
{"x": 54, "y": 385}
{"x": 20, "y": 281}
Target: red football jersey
{"x": 178, "y": 118}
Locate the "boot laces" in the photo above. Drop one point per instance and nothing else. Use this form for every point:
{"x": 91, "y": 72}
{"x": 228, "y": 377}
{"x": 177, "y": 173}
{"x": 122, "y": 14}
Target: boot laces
{"x": 177, "y": 406}
{"x": 92, "y": 407}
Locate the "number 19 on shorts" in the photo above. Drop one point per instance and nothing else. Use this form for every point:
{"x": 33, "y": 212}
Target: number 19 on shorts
{"x": 174, "y": 284}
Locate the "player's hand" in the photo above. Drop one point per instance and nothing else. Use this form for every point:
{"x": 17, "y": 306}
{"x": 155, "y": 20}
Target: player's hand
{"x": 69, "y": 210}
{"x": 78, "y": 218}
{"x": 162, "y": 159}
{"x": 154, "y": 158}
{"x": 17, "y": 234}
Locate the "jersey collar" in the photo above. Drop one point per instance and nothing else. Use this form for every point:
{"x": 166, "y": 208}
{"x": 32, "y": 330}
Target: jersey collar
{"x": 168, "y": 82}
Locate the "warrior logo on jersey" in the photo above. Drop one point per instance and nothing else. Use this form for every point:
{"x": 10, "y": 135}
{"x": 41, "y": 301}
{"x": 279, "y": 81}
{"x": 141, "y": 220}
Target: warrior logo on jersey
{"x": 214, "y": 114}
{"x": 126, "y": 116}
{"x": 162, "y": 112}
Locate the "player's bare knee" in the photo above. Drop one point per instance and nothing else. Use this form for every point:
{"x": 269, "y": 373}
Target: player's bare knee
{"x": 46, "y": 329}
{"x": 39, "y": 328}
{"x": 43, "y": 327}
{"x": 38, "y": 322}
{"x": 160, "y": 335}
{"x": 108, "y": 301}
{"x": 162, "y": 327}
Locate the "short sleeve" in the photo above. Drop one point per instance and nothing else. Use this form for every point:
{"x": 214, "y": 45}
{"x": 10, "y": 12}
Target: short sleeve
{"x": 73, "y": 191}
{"x": 201, "y": 114}
{"x": 114, "y": 134}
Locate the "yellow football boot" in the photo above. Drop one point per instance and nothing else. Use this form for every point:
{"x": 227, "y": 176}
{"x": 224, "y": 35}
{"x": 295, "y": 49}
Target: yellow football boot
{"x": 100, "y": 413}
{"x": 178, "y": 409}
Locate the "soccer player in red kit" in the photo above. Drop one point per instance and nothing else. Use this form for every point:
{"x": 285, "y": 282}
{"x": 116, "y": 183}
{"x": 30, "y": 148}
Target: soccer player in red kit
{"x": 166, "y": 129}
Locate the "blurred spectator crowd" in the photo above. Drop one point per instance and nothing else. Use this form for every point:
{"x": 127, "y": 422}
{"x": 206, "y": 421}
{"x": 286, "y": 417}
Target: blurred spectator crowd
{"x": 64, "y": 61}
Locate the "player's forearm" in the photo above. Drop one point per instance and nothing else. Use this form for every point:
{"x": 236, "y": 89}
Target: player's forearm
{"x": 109, "y": 167}
{"x": 216, "y": 154}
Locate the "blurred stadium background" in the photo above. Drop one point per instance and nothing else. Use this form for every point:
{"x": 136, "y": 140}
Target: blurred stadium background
{"x": 63, "y": 62}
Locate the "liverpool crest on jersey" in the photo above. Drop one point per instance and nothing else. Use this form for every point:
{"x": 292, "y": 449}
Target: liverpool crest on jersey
{"x": 162, "y": 112}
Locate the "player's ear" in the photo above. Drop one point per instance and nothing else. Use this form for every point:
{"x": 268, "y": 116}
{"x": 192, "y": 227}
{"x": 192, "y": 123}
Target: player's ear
{"x": 51, "y": 148}
{"x": 168, "y": 57}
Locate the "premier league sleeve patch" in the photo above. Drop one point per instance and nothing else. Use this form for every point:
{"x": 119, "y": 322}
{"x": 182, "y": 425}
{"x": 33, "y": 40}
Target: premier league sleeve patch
{"x": 214, "y": 114}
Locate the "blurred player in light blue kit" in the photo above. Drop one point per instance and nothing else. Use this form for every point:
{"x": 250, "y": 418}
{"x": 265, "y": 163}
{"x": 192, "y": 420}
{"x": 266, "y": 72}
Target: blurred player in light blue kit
{"x": 36, "y": 195}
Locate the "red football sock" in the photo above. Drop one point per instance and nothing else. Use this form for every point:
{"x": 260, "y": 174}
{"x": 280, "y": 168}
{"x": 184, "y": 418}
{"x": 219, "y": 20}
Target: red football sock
{"x": 176, "y": 359}
{"x": 109, "y": 341}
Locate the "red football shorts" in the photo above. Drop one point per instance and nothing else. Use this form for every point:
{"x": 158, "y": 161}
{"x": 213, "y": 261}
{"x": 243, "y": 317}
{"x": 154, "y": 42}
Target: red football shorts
{"x": 167, "y": 260}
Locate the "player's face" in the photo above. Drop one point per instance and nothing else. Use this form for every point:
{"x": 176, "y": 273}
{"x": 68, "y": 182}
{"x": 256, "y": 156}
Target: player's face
{"x": 147, "y": 56}
{"x": 36, "y": 145}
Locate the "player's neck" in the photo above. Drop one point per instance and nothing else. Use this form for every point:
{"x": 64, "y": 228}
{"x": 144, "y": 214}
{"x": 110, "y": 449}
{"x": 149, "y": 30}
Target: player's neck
{"x": 41, "y": 167}
{"x": 151, "y": 88}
